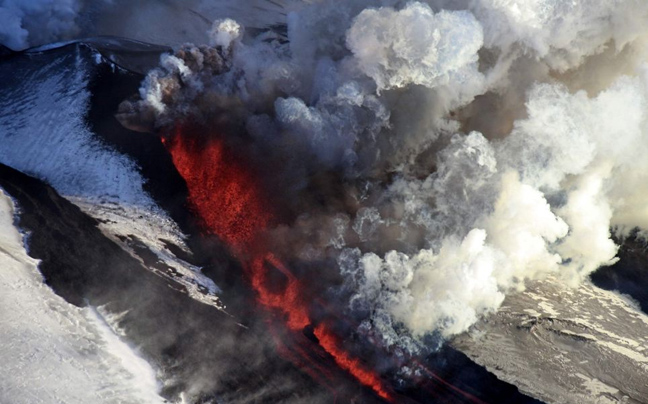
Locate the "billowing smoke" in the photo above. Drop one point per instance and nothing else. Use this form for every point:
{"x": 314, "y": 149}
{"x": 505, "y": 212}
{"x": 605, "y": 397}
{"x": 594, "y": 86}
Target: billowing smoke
{"x": 25, "y": 23}
{"x": 436, "y": 155}
{"x": 417, "y": 46}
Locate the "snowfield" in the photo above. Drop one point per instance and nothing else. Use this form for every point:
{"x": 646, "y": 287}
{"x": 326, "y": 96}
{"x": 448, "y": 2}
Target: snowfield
{"x": 52, "y": 351}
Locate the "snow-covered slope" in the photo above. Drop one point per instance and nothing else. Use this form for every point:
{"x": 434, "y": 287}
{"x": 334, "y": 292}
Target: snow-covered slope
{"x": 562, "y": 345}
{"x": 44, "y": 132}
{"x": 134, "y": 227}
{"x": 54, "y": 352}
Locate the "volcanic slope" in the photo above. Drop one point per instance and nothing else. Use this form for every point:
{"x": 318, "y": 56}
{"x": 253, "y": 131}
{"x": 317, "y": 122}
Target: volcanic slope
{"x": 566, "y": 345}
{"x": 54, "y": 351}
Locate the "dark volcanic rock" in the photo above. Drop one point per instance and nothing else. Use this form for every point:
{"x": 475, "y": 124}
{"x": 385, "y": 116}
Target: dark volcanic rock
{"x": 5, "y": 52}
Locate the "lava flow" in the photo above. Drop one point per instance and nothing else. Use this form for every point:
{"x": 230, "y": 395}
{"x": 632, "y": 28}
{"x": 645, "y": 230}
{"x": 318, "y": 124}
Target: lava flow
{"x": 227, "y": 197}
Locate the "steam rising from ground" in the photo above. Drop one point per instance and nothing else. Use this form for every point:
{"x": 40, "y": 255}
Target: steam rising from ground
{"x": 33, "y": 22}
{"x": 471, "y": 148}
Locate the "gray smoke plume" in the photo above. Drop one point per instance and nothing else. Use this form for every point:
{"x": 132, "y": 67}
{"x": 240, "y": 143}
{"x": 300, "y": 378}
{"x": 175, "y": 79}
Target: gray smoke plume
{"x": 475, "y": 145}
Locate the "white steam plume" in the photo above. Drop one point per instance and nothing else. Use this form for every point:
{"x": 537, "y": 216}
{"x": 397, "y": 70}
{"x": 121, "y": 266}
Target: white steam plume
{"x": 25, "y": 23}
{"x": 560, "y": 32}
{"x": 417, "y": 46}
{"x": 435, "y": 222}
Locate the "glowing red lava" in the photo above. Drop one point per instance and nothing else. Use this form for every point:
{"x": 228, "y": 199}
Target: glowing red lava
{"x": 226, "y": 195}
{"x": 287, "y": 301}
{"x": 330, "y": 343}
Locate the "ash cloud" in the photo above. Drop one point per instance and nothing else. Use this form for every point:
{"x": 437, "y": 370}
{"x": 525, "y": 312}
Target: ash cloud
{"x": 440, "y": 153}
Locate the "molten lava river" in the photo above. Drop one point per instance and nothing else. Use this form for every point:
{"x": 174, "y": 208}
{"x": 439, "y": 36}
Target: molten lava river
{"x": 229, "y": 200}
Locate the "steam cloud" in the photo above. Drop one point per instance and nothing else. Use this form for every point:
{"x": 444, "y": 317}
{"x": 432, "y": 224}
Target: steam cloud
{"x": 476, "y": 145}
{"x": 25, "y": 23}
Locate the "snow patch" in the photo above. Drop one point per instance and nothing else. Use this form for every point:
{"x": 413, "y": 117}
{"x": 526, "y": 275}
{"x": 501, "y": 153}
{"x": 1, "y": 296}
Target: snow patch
{"x": 53, "y": 352}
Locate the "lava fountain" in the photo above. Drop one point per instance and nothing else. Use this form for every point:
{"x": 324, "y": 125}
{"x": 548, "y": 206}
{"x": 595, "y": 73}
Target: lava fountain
{"x": 229, "y": 200}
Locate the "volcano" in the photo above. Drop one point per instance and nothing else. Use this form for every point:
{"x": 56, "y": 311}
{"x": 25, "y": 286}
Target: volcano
{"x": 192, "y": 298}
{"x": 372, "y": 202}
